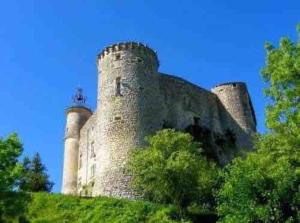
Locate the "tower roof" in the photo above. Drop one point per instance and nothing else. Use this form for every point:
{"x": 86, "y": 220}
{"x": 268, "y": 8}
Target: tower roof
{"x": 78, "y": 97}
{"x": 79, "y": 100}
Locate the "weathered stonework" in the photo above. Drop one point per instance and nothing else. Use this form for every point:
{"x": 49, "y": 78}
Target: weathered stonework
{"x": 76, "y": 118}
{"x": 135, "y": 100}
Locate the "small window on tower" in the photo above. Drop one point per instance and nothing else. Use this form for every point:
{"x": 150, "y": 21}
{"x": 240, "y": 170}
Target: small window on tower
{"x": 93, "y": 154}
{"x": 117, "y": 118}
{"x": 196, "y": 121}
{"x": 79, "y": 182}
{"x": 80, "y": 160}
{"x": 118, "y": 86}
{"x": 93, "y": 169}
{"x": 118, "y": 56}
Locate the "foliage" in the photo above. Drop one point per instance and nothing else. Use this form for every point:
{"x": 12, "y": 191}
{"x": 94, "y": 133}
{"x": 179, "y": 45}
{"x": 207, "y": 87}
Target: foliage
{"x": 282, "y": 74}
{"x": 48, "y": 208}
{"x": 172, "y": 170}
{"x": 34, "y": 177}
{"x": 264, "y": 187}
{"x": 14, "y": 206}
{"x": 10, "y": 170}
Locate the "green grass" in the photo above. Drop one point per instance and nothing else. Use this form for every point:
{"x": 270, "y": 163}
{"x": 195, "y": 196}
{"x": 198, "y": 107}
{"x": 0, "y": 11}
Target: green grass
{"x": 50, "y": 208}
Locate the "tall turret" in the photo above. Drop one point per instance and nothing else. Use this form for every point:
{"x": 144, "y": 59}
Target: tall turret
{"x": 77, "y": 115}
{"x": 239, "y": 115}
{"x": 128, "y": 110}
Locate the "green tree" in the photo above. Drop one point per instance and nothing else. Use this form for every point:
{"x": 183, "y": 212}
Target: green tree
{"x": 34, "y": 177}
{"x": 10, "y": 170}
{"x": 282, "y": 74}
{"x": 171, "y": 169}
{"x": 264, "y": 187}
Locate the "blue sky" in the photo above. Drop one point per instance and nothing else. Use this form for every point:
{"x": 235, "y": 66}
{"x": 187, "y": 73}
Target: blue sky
{"x": 48, "y": 48}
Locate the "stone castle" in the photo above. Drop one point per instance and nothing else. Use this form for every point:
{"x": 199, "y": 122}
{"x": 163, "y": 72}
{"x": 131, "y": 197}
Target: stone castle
{"x": 135, "y": 100}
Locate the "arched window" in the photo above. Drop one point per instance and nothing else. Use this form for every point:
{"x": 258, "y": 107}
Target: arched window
{"x": 118, "y": 86}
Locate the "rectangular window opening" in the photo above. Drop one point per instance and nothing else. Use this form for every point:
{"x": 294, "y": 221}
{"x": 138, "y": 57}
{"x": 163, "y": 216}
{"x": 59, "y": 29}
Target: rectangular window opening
{"x": 93, "y": 169}
{"x": 93, "y": 154}
{"x": 117, "y": 118}
{"x": 79, "y": 182}
{"x": 80, "y": 160}
{"x": 117, "y": 56}
{"x": 196, "y": 121}
{"x": 118, "y": 86}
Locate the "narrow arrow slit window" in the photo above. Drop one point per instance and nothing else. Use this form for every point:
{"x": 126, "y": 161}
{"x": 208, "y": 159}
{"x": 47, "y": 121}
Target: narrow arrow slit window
{"x": 118, "y": 86}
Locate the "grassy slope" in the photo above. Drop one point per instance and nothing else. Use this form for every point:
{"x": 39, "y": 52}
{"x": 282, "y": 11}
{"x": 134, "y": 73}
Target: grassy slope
{"x": 46, "y": 208}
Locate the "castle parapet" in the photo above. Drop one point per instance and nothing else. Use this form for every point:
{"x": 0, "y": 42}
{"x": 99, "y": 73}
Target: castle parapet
{"x": 124, "y": 46}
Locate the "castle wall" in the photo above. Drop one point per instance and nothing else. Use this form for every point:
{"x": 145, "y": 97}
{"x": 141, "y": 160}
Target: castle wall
{"x": 128, "y": 110}
{"x": 190, "y": 106}
{"x": 87, "y": 157}
{"x": 226, "y": 110}
{"x": 135, "y": 100}
{"x": 185, "y": 101}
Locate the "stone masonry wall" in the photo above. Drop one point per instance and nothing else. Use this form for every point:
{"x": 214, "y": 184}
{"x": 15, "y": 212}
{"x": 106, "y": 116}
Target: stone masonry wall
{"x": 186, "y": 103}
{"x": 126, "y": 112}
{"x": 87, "y": 157}
{"x": 76, "y": 118}
{"x": 238, "y": 112}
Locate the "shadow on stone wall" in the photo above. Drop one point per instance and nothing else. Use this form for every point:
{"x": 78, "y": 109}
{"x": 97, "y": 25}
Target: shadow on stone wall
{"x": 200, "y": 112}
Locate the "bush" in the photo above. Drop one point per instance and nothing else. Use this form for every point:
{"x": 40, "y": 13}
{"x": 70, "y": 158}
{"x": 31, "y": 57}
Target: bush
{"x": 172, "y": 170}
{"x": 53, "y": 208}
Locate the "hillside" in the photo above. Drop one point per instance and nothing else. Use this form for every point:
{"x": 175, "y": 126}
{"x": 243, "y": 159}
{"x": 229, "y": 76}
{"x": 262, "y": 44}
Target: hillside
{"x": 46, "y": 208}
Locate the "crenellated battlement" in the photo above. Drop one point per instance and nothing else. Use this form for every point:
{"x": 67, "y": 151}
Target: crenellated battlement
{"x": 142, "y": 48}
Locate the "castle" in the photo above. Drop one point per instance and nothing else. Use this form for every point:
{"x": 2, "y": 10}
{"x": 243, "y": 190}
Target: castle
{"x": 135, "y": 100}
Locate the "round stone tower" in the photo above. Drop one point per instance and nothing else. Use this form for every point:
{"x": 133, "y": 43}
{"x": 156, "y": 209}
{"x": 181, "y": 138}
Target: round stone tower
{"x": 128, "y": 109}
{"x": 239, "y": 115}
{"x": 77, "y": 115}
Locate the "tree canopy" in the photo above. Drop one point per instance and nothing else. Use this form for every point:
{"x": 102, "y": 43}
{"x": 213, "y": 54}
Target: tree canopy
{"x": 171, "y": 169}
{"x": 10, "y": 170}
{"x": 282, "y": 74}
{"x": 35, "y": 178}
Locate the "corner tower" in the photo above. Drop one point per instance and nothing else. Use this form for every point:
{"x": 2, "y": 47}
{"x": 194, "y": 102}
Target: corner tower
{"x": 239, "y": 114}
{"x": 128, "y": 109}
{"x": 77, "y": 115}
